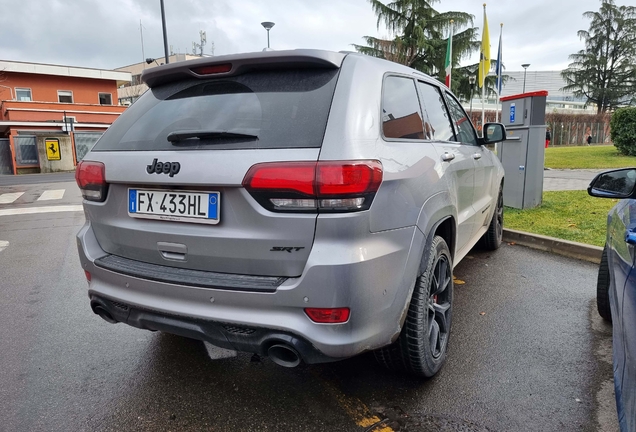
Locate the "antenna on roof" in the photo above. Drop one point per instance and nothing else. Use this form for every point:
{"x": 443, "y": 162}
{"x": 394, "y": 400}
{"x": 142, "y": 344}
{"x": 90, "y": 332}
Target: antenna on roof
{"x": 143, "y": 55}
{"x": 201, "y": 45}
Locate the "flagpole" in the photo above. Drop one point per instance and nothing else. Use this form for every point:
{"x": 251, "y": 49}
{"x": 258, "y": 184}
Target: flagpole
{"x": 450, "y": 59}
{"x": 448, "y": 65}
{"x": 482, "y": 65}
{"x": 499, "y": 83}
{"x": 483, "y": 107}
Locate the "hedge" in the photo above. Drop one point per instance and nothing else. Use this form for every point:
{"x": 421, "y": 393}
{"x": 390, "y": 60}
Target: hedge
{"x": 623, "y": 126}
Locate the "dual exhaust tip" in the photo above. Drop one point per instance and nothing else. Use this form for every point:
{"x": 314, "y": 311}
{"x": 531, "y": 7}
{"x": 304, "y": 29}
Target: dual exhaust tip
{"x": 281, "y": 354}
{"x": 284, "y": 355}
{"x": 102, "y": 312}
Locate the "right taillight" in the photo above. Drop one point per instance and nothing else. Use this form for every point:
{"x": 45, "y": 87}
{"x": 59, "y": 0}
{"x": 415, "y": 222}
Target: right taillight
{"x": 91, "y": 179}
{"x": 332, "y": 186}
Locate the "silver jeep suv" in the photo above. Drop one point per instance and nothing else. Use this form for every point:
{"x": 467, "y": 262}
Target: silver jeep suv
{"x": 303, "y": 205}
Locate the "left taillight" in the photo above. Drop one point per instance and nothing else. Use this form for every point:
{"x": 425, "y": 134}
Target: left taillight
{"x": 91, "y": 179}
{"x": 325, "y": 186}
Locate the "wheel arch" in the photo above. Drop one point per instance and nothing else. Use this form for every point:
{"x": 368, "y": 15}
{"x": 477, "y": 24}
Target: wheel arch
{"x": 446, "y": 227}
{"x": 439, "y": 217}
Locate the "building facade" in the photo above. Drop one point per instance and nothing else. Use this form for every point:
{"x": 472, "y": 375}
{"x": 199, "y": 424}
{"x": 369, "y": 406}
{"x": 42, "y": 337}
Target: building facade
{"x": 559, "y": 100}
{"x": 41, "y": 103}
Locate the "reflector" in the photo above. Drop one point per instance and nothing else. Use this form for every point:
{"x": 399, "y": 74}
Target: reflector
{"x": 328, "y": 315}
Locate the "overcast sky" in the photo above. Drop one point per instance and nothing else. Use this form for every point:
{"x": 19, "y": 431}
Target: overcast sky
{"x": 105, "y": 33}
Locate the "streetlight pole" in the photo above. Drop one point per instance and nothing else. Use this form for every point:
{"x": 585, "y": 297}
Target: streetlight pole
{"x": 165, "y": 33}
{"x": 268, "y": 26}
{"x": 525, "y": 70}
{"x": 471, "y": 80}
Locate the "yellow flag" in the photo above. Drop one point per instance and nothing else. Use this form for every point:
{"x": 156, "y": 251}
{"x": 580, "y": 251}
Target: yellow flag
{"x": 484, "y": 55}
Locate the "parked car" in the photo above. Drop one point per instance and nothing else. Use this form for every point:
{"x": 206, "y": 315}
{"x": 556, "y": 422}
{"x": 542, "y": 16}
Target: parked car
{"x": 303, "y": 205}
{"x": 616, "y": 287}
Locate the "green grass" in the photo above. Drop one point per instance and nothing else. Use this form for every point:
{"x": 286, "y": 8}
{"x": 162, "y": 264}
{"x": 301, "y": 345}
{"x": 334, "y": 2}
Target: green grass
{"x": 601, "y": 157}
{"x": 568, "y": 215}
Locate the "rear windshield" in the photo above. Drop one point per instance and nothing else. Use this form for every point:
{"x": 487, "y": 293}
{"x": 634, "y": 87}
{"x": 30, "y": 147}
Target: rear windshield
{"x": 265, "y": 109}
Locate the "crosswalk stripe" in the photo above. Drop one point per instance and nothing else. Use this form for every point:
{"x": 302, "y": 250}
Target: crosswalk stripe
{"x": 52, "y": 195}
{"x": 36, "y": 210}
{"x": 8, "y": 198}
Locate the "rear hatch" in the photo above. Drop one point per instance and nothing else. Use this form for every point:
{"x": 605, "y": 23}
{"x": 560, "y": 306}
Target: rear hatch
{"x": 176, "y": 159}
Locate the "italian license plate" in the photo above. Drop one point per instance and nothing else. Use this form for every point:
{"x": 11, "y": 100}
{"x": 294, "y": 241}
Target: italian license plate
{"x": 179, "y": 206}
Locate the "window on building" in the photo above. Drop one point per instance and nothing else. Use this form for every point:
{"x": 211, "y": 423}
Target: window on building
{"x": 65, "y": 96}
{"x": 401, "y": 116}
{"x": 105, "y": 99}
{"x": 23, "y": 94}
{"x": 69, "y": 123}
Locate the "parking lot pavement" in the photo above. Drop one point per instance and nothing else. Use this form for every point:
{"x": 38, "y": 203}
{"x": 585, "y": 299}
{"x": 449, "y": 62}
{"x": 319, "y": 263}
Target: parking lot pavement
{"x": 527, "y": 353}
{"x": 579, "y": 179}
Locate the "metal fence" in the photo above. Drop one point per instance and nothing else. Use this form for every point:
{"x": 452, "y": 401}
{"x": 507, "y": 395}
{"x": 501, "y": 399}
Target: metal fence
{"x": 576, "y": 133}
{"x": 6, "y": 166}
{"x": 84, "y": 142}
{"x": 26, "y": 150}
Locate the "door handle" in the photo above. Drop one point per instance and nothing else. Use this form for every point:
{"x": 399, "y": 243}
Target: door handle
{"x": 630, "y": 237}
{"x": 447, "y": 157}
{"x": 477, "y": 156}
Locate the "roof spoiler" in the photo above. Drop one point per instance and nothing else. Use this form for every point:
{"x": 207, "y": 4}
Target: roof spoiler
{"x": 237, "y": 64}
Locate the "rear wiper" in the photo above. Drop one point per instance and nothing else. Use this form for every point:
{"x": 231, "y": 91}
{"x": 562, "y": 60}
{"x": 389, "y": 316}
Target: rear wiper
{"x": 186, "y": 134}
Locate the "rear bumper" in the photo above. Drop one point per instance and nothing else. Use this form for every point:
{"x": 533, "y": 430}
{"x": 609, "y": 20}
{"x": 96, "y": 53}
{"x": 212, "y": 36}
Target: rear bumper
{"x": 224, "y": 335}
{"x": 372, "y": 274}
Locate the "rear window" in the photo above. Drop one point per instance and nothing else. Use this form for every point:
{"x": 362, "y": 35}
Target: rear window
{"x": 265, "y": 109}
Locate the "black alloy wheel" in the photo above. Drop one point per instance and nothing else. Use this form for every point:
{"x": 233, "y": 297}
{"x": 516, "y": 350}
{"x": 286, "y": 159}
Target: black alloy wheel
{"x": 439, "y": 307}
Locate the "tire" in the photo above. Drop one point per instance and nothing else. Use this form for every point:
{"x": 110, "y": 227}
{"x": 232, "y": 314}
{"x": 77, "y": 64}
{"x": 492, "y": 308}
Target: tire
{"x": 602, "y": 288}
{"x": 423, "y": 342}
{"x": 491, "y": 240}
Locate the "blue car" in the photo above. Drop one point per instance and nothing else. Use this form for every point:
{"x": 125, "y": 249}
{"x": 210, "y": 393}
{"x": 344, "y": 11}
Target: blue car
{"x": 616, "y": 286}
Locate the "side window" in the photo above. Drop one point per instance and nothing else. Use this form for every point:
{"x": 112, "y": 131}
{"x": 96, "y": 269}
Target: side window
{"x": 401, "y": 116}
{"x": 438, "y": 126}
{"x": 465, "y": 131}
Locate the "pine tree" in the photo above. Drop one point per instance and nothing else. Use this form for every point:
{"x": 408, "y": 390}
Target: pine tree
{"x": 604, "y": 72}
{"x": 421, "y": 35}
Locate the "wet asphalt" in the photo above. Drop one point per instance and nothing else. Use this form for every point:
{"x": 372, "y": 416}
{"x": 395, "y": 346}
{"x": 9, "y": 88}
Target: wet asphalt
{"x": 527, "y": 353}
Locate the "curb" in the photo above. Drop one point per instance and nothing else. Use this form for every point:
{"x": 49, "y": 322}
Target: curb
{"x": 566, "y": 248}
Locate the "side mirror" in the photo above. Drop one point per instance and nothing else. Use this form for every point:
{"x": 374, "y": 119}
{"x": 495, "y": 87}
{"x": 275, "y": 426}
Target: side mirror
{"x": 618, "y": 184}
{"x": 493, "y": 133}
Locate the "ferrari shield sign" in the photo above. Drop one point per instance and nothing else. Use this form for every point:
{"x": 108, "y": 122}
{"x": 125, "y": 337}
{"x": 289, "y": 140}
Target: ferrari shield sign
{"x": 52, "y": 149}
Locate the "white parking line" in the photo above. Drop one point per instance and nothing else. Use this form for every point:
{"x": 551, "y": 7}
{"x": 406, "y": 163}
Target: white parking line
{"x": 8, "y": 198}
{"x": 52, "y": 195}
{"x": 49, "y": 209}
{"x": 3, "y": 245}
